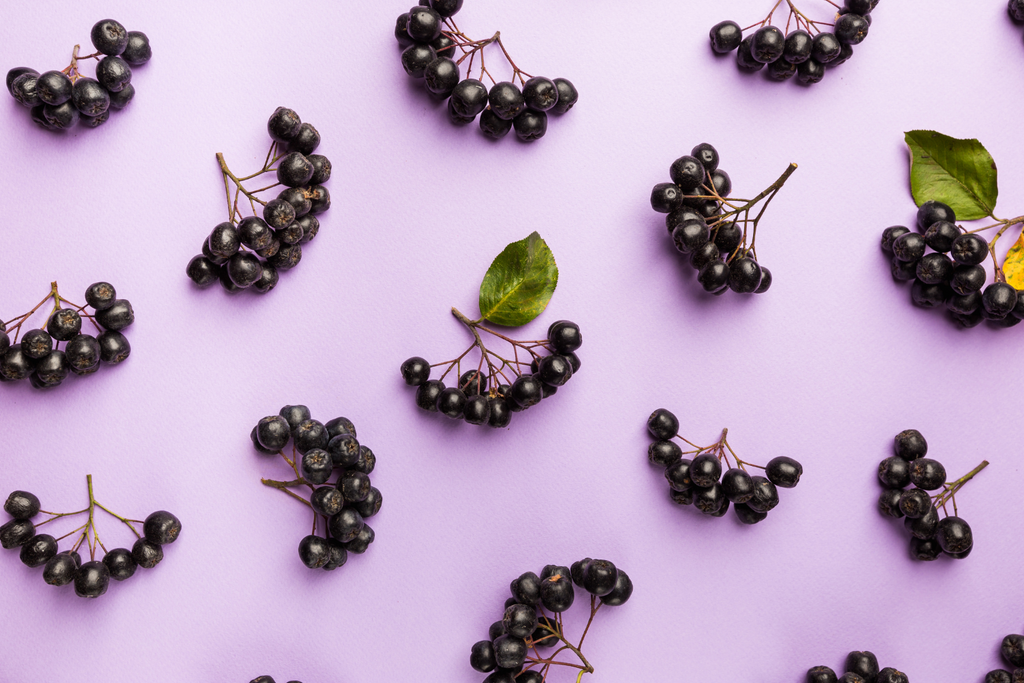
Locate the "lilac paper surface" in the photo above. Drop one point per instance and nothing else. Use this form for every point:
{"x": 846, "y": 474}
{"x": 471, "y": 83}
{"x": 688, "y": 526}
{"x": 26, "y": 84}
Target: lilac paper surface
{"x": 826, "y": 367}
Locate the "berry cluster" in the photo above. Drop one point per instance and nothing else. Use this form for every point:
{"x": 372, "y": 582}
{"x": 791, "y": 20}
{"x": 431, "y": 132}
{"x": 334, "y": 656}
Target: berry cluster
{"x": 249, "y": 251}
{"x": 805, "y": 52}
{"x": 38, "y": 356}
{"x": 945, "y": 264}
{"x": 92, "y": 578}
{"x": 931, "y": 536}
{"x": 511, "y": 653}
{"x": 710, "y": 229}
{"x": 268, "y": 679}
{"x": 860, "y": 667}
{"x": 429, "y": 38}
{"x": 700, "y": 481}
{"x": 318, "y": 449}
{"x": 1012, "y": 652}
{"x": 60, "y": 99}
{"x": 490, "y": 396}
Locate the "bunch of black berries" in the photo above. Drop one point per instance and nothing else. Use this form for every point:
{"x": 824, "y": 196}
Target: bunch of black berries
{"x": 1012, "y": 652}
{"x": 805, "y": 52}
{"x": 60, "y": 99}
{"x": 700, "y": 481}
{"x": 318, "y": 451}
{"x": 497, "y": 386}
{"x": 37, "y": 354}
{"x": 533, "y": 621}
{"x": 429, "y": 39}
{"x": 945, "y": 265}
{"x": 860, "y": 667}
{"x": 250, "y": 251}
{"x": 711, "y": 230}
{"x": 268, "y": 679}
{"x": 931, "y": 536}
{"x": 61, "y": 568}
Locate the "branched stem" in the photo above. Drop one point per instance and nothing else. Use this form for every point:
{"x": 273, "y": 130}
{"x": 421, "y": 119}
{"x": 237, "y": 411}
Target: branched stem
{"x": 545, "y": 663}
{"x": 234, "y": 214}
{"x": 949, "y": 489}
{"x": 15, "y": 324}
{"x": 471, "y": 48}
{"x": 718, "y": 449}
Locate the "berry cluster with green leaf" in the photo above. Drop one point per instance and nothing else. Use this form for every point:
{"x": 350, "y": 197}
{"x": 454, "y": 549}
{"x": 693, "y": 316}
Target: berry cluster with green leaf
{"x": 931, "y": 536}
{"x": 37, "y": 354}
{"x": 701, "y": 482}
{"x": 716, "y": 233}
{"x": 532, "y": 621}
{"x": 515, "y": 290}
{"x": 319, "y": 450}
{"x": 59, "y": 100}
{"x": 859, "y": 667}
{"x": 953, "y": 179}
{"x": 60, "y": 568}
{"x": 807, "y": 51}
{"x": 250, "y": 251}
{"x": 429, "y": 38}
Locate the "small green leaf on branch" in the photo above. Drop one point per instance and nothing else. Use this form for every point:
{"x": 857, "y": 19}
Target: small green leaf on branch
{"x": 960, "y": 173}
{"x": 519, "y": 283}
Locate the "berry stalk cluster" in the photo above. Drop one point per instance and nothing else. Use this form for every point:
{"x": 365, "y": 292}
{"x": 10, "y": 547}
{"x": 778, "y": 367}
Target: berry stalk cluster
{"x": 931, "y": 536}
{"x": 533, "y": 621}
{"x": 429, "y": 38}
{"x": 1012, "y": 652}
{"x": 59, "y": 100}
{"x": 498, "y": 386}
{"x": 806, "y": 52}
{"x": 715, "y": 233}
{"x": 700, "y": 481}
{"x": 250, "y": 251}
{"x": 61, "y": 568}
{"x": 318, "y": 451}
{"x": 860, "y": 667}
{"x": 944, "y": 261}
{"x": 37, "y": 355}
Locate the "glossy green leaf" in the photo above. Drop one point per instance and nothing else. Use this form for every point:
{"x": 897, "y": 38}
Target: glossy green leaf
{"x": 519, "y": 283}
{"x": 960, "y": 173}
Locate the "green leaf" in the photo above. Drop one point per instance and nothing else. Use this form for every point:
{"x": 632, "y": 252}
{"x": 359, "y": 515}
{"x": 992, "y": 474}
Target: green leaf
{"x": 960, "y": 173}
{"x": 519, "y": 283}
{"x": 1013, "y": 266}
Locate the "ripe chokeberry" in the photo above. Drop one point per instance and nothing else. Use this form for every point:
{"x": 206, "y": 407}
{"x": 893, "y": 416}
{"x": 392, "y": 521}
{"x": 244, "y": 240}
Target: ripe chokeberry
{"x": 248, "y": 252}
{"x": 700, "y": 481}
{"x": 510, "y": 652}
{"x": 932, "y": 535}
{"x": 318, "y": 450}
{"x": 61, "y": 568}
{"x": 430, "y": 41}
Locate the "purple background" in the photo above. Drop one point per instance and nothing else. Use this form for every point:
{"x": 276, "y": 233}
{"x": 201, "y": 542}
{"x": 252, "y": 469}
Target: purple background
{"x": 826, "y": 367}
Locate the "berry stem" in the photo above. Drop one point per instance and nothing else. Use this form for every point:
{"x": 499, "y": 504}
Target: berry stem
{"x": 285, "y": 485}
{"x": 229, "y": 178}
{"x": 950, "y": 488}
